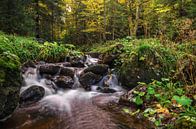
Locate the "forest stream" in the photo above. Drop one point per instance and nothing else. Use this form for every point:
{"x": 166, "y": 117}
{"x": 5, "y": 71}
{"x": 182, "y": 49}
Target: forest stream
{"x": 58, "y": 101}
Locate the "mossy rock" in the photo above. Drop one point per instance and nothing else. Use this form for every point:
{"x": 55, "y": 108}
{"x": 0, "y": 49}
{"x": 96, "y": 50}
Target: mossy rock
{"x": 10, "y": 83}
{"x": 144, "y": 64}
{"x": 108, "y": 55}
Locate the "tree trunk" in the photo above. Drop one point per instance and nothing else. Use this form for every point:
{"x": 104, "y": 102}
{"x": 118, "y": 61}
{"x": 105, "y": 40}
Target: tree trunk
{"x": 104, "y": 31}
{"x": 52, "y": 29}
{"x": 37, "y": 20}
{"x": 146, "y": 30}
{"x": 130, "y": 19}
{"x": 136, "y": 17}
{"x": 130, "y": 25}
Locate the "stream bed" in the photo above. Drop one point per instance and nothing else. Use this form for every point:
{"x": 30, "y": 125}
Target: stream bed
{"x": 66, "y": 96}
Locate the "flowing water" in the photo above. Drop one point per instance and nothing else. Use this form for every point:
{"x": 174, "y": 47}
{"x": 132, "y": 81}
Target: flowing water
{"x": 73, "y": 108}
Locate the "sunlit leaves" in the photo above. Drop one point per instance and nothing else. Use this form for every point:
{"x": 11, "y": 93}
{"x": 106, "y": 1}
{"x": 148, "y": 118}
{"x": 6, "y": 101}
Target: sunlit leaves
{"x": 183, "y": 100}
{"x": 138, "y": 100}
{"x": 151, "y": 90}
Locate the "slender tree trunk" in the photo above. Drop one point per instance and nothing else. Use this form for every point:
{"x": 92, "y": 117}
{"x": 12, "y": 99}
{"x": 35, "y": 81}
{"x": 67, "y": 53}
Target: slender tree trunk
{"x": 113, "y": 34}
{"x": 130, "y": 25}
{"x": 37, "y": 20}
{"x": 130, "y": 19}
{"x": 52, "y": 29}
{"x": 146, "y": 30}
{"x": 104, "y": 31}
{"x": 113, "y": 23}
{"x": 136, "y": 17}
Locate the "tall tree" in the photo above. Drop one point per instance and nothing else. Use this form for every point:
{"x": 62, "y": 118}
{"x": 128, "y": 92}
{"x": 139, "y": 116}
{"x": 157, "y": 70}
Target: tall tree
{"x": 14, "y": 18}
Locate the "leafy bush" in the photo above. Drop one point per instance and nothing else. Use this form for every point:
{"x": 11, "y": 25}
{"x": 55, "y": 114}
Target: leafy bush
{"x": 29, "y": 49}
{"x": 9, "y": 61}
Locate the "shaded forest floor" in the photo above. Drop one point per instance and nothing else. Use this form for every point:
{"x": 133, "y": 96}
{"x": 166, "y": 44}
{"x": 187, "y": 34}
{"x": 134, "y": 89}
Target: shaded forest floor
{"x": 160, "y": 77}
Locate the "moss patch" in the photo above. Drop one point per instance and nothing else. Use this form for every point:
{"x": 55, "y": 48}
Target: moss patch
{"x": 10, "y": 83}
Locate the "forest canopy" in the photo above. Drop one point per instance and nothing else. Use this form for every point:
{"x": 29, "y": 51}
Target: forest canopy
{"x": 89, "y": 21}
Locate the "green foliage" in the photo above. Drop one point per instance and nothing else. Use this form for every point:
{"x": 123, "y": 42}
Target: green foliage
{"x": 138, "y": 100}
{"x": 186, "y": 119}
{"x": 183, "y": 100}
{"x": 187, "y": 47}
{"x": 158, "y": 98}
{"x": 146, "y": 54}
{"x": 150, "y": 91}
{"x": 29, "y": 49}
{"x": 9, "y": 61}
{"x": 162, "y": 60}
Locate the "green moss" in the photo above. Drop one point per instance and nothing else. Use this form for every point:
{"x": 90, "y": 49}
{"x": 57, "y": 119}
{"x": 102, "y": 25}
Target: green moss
{"x": 10, "y": 83}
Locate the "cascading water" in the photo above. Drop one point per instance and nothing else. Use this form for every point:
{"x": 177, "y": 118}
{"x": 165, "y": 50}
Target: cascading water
{"x": 50, "y": 106}
{"x": 31, "y": 77}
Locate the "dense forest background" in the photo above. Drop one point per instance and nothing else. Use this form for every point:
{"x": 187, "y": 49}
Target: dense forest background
{"x": 89, "y": 21}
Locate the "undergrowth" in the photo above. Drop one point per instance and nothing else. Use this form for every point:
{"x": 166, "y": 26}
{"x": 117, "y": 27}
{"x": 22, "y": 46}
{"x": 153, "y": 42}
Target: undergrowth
{"x": 30, "y": 49}
{"x": 167, "y": 104}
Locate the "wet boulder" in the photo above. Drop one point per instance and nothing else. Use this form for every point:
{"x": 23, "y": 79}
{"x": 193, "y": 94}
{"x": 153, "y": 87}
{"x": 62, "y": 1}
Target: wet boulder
{"x": 66, "y": 64}
{"x": 67, "y": 72}
{"x": 111, "y": 55}
{"x": 31, "y": 95}
{"x": 88, "y": 79}
{"x": 77, "y": 62}
{"x": 10, "y": 83}
{"x": 29, "y": 64}
{"x": 50, "y": 69}
{"x": 107, "y": 90}
{"x": 108, "y": 59}
{"x": 65, "y": 82}
{"x": 100, "y": 69}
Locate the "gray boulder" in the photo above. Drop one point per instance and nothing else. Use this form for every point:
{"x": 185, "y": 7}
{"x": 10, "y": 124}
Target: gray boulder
{"x": 67, "y": 72}
{"x": 31, "y": 95}
{"x": 50, "y": 69}
{"x": 100, "y": 69}
{"x": 88, "y": 79}
{"x": 65, "y": 82}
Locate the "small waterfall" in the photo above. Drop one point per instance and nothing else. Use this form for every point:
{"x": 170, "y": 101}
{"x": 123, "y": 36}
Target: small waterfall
{"x": 31, "y": 78}
{"x": 110, "y": 81}
{"x": 90, "y": 61}
{"x": 76, "y": 78}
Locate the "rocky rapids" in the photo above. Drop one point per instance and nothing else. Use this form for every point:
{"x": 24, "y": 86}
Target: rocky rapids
{"x": 78, "y": 94}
